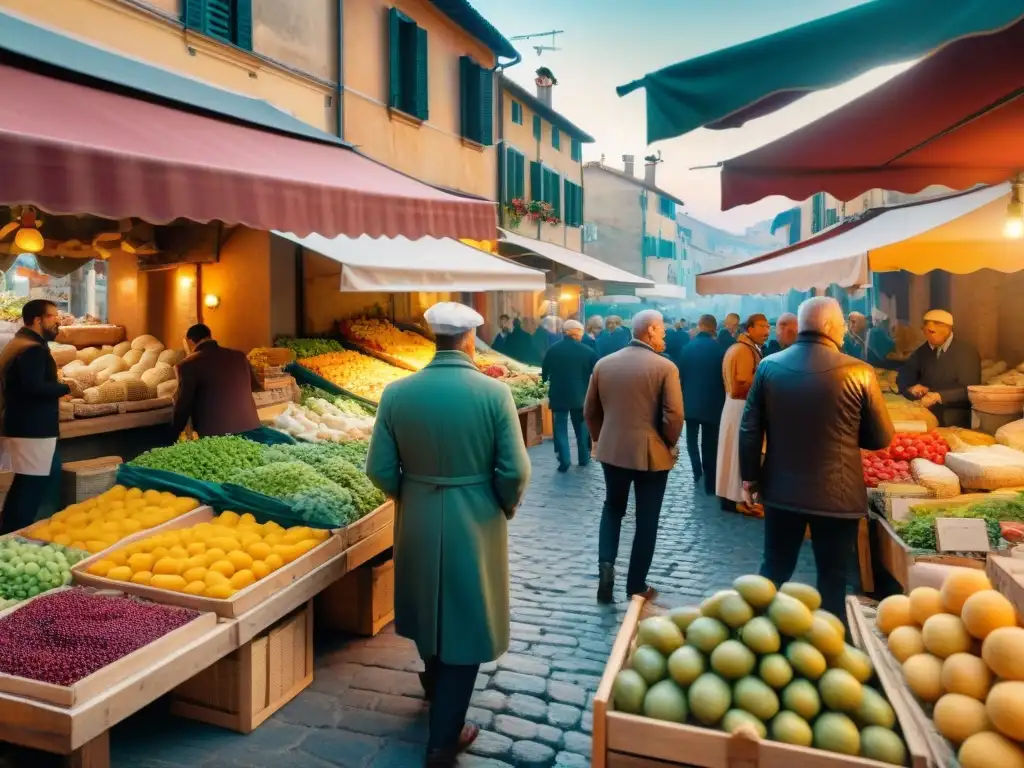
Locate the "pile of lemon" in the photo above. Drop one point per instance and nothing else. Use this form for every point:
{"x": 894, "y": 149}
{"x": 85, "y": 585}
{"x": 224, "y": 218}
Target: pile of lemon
{"x": 213, "y": 559}
{"x": 98, "y": 523}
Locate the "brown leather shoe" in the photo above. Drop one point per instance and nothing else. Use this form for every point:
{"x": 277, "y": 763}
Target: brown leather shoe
{"x": 445, "y": 758}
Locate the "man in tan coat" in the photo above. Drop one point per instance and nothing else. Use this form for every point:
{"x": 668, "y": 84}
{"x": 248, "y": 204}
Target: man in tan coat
{"x": 634, "y": 409}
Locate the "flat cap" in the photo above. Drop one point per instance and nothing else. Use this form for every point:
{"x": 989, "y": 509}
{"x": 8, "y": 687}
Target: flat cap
{"x": 939, "y": 316}
{"x": 449, "y": 318}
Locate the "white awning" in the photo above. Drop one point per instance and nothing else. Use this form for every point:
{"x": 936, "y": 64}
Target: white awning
{"x": 663, "y": 291}
{"x": 959, "y": 233}
{"x": 593, "y": 269}
{"x": 398, "y": 265}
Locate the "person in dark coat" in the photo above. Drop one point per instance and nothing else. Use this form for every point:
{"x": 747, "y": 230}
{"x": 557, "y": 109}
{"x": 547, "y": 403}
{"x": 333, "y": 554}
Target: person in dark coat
{"x": 817, "y": 408}
{"x": 939, "y": 372}
{"x": 30, "y": 413}
{"x": 856, "y": 342}
{"x": 700, "y": 374}
{"x": 613, "y": 338}
{"x": 500, "y": 339}
{"x": 519, "y": 345}
{"x": 676, "y": 337}
{"x": 215, "y": 386}
{"x": 785, "y": 334}
{"x": 730, "y": 329}
{"x": 567, "y": 367}
{"x": 594, "y": 327}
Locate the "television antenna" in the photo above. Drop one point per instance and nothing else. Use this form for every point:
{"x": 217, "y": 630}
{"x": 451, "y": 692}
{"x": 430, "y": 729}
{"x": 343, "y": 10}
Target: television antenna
{"x": 541, "y": 48}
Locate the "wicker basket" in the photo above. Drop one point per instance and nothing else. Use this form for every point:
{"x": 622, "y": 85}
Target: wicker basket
{"x": 81, "y": 480}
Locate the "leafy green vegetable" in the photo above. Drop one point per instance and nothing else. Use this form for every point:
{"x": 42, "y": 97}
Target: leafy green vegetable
{"x": 365, "y": 495}
{"x": 918, "y": 532}
{"x": 326, "y": 506}
{"x": 526, "y": 394}
{"x": 213, "y": 459}
{"x": 308, "y": 347}
{"x": 998, "y": 508}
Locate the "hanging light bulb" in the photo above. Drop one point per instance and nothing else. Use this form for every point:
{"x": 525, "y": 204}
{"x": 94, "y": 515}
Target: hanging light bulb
{"x": 1014, "y": 226}
{"x": 29, "y": 240}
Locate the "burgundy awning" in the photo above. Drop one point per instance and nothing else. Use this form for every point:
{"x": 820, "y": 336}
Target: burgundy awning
{"x": 68, "y": 148}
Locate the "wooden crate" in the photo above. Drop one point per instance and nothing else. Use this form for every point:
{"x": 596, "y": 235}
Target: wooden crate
{"x": 628, "y": 741}
{"x": 898, "y": 558}
{"x": 1007, "y": 575}
{"x": 530, "y": 423}
{"x": 547, "y": 420}
{"x": 249, "y": 685}
{"x": 369, "y": 524}
{"x": 363, "y": 601}
{"x": 81, "y": 480}
{"x": 242, "y": 601}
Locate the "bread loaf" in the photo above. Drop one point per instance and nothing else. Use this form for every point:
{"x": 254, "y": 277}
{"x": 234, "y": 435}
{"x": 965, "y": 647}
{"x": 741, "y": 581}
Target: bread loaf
{"x": 132, "y": 356}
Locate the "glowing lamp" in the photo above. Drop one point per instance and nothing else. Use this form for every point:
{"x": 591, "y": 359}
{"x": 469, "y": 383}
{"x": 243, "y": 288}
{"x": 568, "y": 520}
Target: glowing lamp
{"x": 29, "y": 240}
{"x": 211, "y": 300}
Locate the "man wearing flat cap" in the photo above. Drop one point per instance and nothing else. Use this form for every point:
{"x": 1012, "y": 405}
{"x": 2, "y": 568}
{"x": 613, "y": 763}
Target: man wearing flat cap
{"x": 447, "y": 447}
{"x": 939, "y": 372}
{"x": 567, "y": 367}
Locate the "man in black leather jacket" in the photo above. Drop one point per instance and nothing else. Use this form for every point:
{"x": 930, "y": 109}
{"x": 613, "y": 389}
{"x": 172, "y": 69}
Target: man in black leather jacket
{"x": 818, "y": 408}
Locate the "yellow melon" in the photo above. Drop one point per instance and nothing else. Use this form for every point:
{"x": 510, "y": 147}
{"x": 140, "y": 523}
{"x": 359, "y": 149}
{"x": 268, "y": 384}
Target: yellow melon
{"x": 905, "y": 642}
{"x": 959, "y": 585}
{"x": 1005, "y": 707}
{"x": 893, "y": 611}
{"x": 959, "y": 717}
{"x": 924, "y": 676}
{"x": 925, "y": 602}
{"x": 988, "y": 749}
{"x": 986, "y": 611}
{"x": 945, "y": 634}
{"x": 1003, "y": 651}
{"x": 966, "y": 674}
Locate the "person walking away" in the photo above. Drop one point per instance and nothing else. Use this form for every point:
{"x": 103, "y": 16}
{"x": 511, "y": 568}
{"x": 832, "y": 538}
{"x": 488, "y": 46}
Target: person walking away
{"x": 738, "y": 367}
{"x": 855, "y": 344}
{"x": 611, "y": 339}
{"x": 634, "y": 410}
{"x": 215, "y": 386}
{"x": 818, "y": 408}
{"x": 594, "y": 326}
{"x": 700, "y": 372}
{"x": 519, "y": 345}
{"x": 30, "y": 394}
{"x": 785, "y": 334}
{"x": 501, "y": 337}
{"x": 676, "y": 338}
{"x": 939, "y": 372}
{"x": 457, "y": 473}
{"x": 730, "y": 328}
{"x": 567, "y": 367}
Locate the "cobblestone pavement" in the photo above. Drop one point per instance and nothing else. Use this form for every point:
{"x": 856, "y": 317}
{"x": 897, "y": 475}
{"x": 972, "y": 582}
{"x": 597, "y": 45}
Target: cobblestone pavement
{"x": 365, "y": 706}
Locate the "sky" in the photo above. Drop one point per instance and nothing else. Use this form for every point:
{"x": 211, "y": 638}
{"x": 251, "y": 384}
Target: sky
{"x": 607, "y": 43}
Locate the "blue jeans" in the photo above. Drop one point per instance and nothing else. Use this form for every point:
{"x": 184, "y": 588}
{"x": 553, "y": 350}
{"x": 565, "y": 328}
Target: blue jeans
{"x": 561, "y": 436}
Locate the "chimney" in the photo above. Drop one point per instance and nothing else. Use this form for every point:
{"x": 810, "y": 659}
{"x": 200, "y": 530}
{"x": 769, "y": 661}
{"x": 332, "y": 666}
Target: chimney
{"x": 544, "y": 93}
{"x": 627, "y": 162}
{"x": 650, "y": 169}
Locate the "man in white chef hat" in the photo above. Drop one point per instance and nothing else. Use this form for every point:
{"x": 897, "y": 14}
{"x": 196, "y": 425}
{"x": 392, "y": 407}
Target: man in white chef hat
{"x": 939, "y": 372}
{"x": 447, "y": 447}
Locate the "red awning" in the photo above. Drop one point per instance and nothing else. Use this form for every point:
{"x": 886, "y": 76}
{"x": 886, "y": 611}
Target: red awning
{"x": 68, "y": 148}
{"x": 954, "y": 119}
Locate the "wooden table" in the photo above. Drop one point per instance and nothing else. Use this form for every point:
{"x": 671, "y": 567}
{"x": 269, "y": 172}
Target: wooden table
{"x": 81, "y": 733}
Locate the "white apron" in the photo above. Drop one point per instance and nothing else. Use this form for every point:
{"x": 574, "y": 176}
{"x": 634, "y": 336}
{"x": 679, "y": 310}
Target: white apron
{"x": 728, "y": 482}
{"x": 28, "y": 455}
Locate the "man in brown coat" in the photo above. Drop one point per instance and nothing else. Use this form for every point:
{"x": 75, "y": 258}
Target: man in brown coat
{"x": 215, "y": 386}
{"x": 634, "y": 409}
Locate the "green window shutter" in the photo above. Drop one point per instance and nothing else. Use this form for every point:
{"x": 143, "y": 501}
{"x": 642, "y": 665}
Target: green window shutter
{"x": 536, "y": 181}
{"x": 536, "y": 127}
{"x": 579, "y": 205}
{"x": 575, "y": 150}
{"x": 504, "y": 177}
{"x": 243, "y": 24}
{"x": 556, "y": 193}
{"x": 422, "y": 105}
{"x": 394, "y": 58}
{"x": 194, "y": 14}
{"x": 519, "y": 176}
{"x": 469, "y": 85}
{"x": 556, "y": 138}
{"x": 219, "y": 20}
{"x": 517, "y": 113}
{"x": 567, "y": 196}
{"x": 486, "y": 106}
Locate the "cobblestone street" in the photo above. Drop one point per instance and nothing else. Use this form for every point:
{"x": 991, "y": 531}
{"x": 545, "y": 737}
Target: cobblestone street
{"x": 365, "y": 706}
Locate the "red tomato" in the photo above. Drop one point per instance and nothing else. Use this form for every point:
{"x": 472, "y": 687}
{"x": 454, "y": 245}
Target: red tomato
{"x": 911, "y": 452}
{"x": 899, "y": 452}
{"x": 940, "y": 459}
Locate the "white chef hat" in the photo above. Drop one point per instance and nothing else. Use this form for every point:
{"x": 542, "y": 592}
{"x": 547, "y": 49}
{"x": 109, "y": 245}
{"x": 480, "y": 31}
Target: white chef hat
{"x": 449, "y": 318}
{"x": 939, "y": 316}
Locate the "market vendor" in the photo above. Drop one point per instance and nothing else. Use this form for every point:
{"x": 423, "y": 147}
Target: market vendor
{"x": 939, "y": 372}
{"x": 215, "y": 386}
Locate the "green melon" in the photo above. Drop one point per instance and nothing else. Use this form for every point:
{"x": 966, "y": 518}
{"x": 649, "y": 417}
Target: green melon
{"x": 881, "y": 744}
{"x": 856, "y": 662}
{"x": 761, "y": 636}
{"x": 685, "y": 665}
{"x": 790, "y": 728}
{"x": 841, "y": 691}
{"x": 628, "y": 692}
{"x": 792, "y": 617}
{"x": 833, "y": 621}
{"x": 666, "y": 701}
{"x": 752, "y": 695}
{"x": 737, "y": 718}
{"x": 822, "y": 635}
{"x": 661, "y": 633}
{"x": 732, "y": 660}
{"x": 802, "y": 697}
{"x": 756, "y": 590}
{"x": 776, "y": 671}
{"x": 706, "y": 634}
{"x": 649, "y": 663}
{"x": 835, "y": 732}
{"x": 734, "y": 611}
{"x": 805, "y": 593}
{"x": 710, "y": 605}
{"x": 875, "y": 710}
{"x": 806, "y": 660}
{"x": 683, "y": 616}
{"x": 709, "y": 698}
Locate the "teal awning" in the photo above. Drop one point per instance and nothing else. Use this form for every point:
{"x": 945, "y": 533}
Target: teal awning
{"x": 726, "y": 88}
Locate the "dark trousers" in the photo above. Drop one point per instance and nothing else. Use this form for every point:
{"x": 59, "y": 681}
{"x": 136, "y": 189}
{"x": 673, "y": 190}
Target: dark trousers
{"x": 834, "y": 540}
{"x": 702, "y": 445}
{"x": 560, "y": 427}
{"x": 29, "y": 494}
{"x": 452, "y": 689}
{"x": 650, "y": 490}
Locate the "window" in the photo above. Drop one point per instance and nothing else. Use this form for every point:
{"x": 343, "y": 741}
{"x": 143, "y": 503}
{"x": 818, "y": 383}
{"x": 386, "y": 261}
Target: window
{"x": 576, "y": 150}
{"x": 556, "y": 138}
{"x": 817, "y": 213}
{"x": 229, "y": 21}
{"x": 573, "y": 204}
{"x": 477, "y": 85}
{"x": 514, "y": 181}
{"x": 650, "y": 246}
{"x": 536, "y": 127}
{"x": 407, "y": 64}
{"x": 546, "y": 185}
{"x": 666, "y": 249}
{"x": 517, "y": 113}
{"x": 666, "y": 207}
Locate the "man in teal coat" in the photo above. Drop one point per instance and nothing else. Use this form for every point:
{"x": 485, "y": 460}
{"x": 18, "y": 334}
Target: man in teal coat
{"x": 448, "y": 448}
